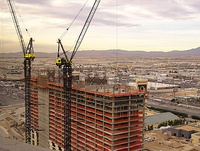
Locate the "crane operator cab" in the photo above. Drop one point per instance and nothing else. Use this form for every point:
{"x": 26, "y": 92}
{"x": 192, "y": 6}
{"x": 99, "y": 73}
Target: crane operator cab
{"x": 30, "y": 56}
{"x": 60, "y": 62}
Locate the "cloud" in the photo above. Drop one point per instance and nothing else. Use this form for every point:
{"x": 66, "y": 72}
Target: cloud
{"x": 170, "y": 9}
{"x": 33, "y": 2}
{"x": 159, "y": 9}
{"x": 125, "y": 13}
{"x": 193, "y": 5}
{"x": 66, "y": 12}
{"x": 136, "y": 19}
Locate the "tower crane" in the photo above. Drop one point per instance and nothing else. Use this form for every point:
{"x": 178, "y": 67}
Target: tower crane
{"x": 29, "y": 56}
{"x": 66, "y": 63}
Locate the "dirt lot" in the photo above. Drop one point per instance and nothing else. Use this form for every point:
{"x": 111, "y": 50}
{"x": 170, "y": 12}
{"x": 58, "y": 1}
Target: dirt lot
{"x": 12, "y": 122}
{"x": 164, "y": 142}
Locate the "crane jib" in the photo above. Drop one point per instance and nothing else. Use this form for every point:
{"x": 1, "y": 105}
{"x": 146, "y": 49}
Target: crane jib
{"x": 27, "y": 51}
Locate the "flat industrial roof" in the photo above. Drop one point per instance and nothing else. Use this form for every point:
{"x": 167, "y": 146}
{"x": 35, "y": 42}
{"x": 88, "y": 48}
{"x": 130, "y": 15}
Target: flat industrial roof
{"x": 189, "y": 128}
{"x": 159, "y": 118}
{"x": 197, "y": 134}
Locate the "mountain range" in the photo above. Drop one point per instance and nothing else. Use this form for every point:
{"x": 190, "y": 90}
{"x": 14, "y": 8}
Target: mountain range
{"x": 114, "y": 53}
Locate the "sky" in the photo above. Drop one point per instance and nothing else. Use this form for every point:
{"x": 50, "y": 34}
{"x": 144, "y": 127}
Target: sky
{"x": 133, "y": 25}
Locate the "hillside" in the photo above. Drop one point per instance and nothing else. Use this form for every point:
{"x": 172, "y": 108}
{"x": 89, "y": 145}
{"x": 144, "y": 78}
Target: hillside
{"x": 115, "y": 53}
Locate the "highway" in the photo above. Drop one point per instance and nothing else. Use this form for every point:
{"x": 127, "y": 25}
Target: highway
{"x": 182, "y": 108}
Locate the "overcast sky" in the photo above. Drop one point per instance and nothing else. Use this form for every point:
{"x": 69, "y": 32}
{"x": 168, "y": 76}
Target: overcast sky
{"x": 150, "y": 25}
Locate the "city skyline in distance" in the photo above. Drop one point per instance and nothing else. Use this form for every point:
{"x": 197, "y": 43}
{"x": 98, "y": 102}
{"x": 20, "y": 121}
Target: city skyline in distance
{"x": 126, "y": 25}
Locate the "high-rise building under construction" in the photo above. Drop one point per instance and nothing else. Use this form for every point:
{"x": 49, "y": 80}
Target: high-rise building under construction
{"x": 103, "y": 118}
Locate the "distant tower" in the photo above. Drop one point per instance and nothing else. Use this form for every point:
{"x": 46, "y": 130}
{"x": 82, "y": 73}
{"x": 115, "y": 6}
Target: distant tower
{"x": 142, "y": 85}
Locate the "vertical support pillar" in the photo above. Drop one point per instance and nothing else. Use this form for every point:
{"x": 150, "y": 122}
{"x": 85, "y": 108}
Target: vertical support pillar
{"x": 27, "y": 75}
{"x": 143, "y": 125}
{"x": 113, "y": 118}
{"x": 67, "y": 86}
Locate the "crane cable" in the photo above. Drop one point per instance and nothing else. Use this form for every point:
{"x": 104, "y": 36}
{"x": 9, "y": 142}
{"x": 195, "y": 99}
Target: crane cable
{"x": 116, "y": 28}
{"x": 22, "y": 20}
{"x": 64, "y": 33}
{"x": 2, "y": 29}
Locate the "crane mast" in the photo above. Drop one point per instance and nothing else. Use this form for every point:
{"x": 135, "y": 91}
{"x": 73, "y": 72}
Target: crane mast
{"x": 29, "y": 56}
{"x": 66, "y": 63}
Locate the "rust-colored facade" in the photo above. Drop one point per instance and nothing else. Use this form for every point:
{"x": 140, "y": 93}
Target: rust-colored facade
{"x": 103, "y": 119}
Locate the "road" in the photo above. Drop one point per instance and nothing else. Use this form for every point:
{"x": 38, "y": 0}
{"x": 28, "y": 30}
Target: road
{"x": 3, "y": 132}
{"x": 168, "y": 105}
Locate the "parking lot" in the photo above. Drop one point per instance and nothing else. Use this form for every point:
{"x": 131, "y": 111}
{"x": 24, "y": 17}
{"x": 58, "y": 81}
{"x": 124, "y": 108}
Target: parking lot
{"x": 10, "y": 95}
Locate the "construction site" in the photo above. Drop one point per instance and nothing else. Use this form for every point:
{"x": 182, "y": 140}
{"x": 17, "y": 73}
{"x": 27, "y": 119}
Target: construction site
{"x": 102, "y": 117}
{"x": 64, "y": 114}
{"x": 73, "y": 109}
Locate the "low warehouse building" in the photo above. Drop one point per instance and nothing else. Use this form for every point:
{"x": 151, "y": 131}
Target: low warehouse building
{"x": 155, "y": 120}
{"x": 183, "y": 131}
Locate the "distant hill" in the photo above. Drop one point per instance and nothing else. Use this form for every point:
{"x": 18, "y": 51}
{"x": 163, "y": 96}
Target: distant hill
{"x": 115, "y": 53}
